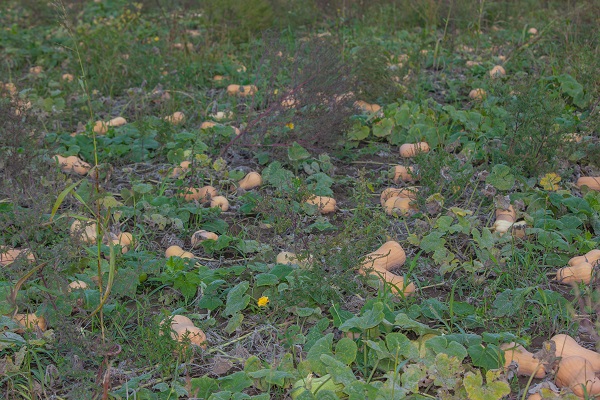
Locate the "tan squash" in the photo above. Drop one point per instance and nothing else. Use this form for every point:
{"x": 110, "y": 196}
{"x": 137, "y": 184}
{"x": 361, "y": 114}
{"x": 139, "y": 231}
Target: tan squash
{"x": 196, "y": 336}
{"x": 477, "y": 94}
{"x": 518, "y": 229}
{"x": 390, "y": 255}
{"x": 207, "y": 124}
{"x": 592, "y": 182}
{"x": 497, "y": 72}
{"x": 289, "y": 258}
{"x": 527, "y": 364}
{"x": 83, "y": 232}
{"x": 241, "y": 90}
{"x": 577, "y": 374}
{"x": 221, "y": 202}
{"x": 101, "y": 127}
{"x": 77, "y": 285}
{"x": 325, "y": 205}
{"x": 388, "y": 193}
{"x": 404, "y": 174}
{"x": 398, "y": 206}
{"x": 176, "y": 251}
{"x": 181, "y": 320}
{"x": 8, "y": 256}
{"x": 408, "y": 150}
{"x": 566, "y": 346}
{"x": 580, "y": 273}
{"x": 176, "y": 118}
{"x": 250, "y": 181}
{"x": 591, "y": 257}
{"x": 30, "y": 321}
{"x": 73, "y": 164}
{"x": 367, "y": 107}
{"x": 202, "y": 195}
{"x": 506, "y": 215}
{"x": 202, "y": 235}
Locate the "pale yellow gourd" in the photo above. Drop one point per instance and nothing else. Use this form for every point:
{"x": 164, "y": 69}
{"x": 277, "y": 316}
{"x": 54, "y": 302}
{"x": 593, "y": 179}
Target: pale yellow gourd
{"x": 202, "y": 235}
{"x": 250, "y": 181}
{"x": 202, "y": 195}
{"x": 220, "y": 202}
{"x": 592, "y": 182}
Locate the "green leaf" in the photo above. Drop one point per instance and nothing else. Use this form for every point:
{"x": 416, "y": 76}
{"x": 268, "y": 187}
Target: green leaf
{"x": 440, "y": 344}
{"x": 321, "y": 346}
{"x": 370, "y": 319}
{"x": 297, "y": 152}
{"x": 277, "y": 176}
{"x": 501, "y": 177}
{"x": 383, "y": 128}
{"x": 345, "y": 350}
{"x": 359, "y": 133}
{"x": 412, "y": 376}
{"x": 266, "y": 280}
{"x": 236, "y": 300}
{"x": 432, "y": 242}
{"x": 272, "y": 376}
{"x": 339, "y": 371}
{"x": 404, "y": 322}
{"x": 488, "y": 357}
{"x": 234, "y": 322}
{"x": 446, "y": 370}
{"x": 399, "y": 345}
{"x": 235, "y": 382}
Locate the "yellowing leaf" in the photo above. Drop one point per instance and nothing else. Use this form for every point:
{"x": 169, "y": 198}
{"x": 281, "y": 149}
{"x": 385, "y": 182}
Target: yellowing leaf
{"x": 550, "y": 181}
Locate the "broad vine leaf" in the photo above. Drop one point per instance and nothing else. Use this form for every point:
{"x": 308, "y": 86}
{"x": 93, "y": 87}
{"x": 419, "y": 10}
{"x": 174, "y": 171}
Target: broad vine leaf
{"x": 488, "y": 357}
{"x": 492, "y": 390}
{"x": 501, "y": 177}
{"x": 236, "y": 299}
{"x": 370, "y": 319}
{"x": 340, "y": 372}
{"x": 321, "y": 346}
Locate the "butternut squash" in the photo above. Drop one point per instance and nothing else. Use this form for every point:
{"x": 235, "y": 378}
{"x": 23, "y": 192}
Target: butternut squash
{"x": 176, "y": 118}
{"x": 101, "y": 127}
{"x": 367, "y": 107}
{"x": 389, "y": 255}
{"x": 408, "y": 150}
{"x": 477, "y": 94}
{"x": 566, "y": 346}
{"x": 497, "y": 72}
{"x": 30, "y": 321}
{"x": 85, "y": 233}
{"x": 577, "y": 374}
{"x": 8, "y": 256}
{"x": 196, "y": 336}
{"x": 527, "y": 364}
{"x": 590, "y": 257}
{"x": 398, "y": 205}
{"x": 580, "y": 273}
{"x": 592, "y": 182}
{"x": 202, "y": 235}
{"x": 325, "y": 205}
{"x": 202, "y": 195}
{"x": 250, "y": 181}
{"x": 242, "y": 91}
{"x": 404, "y": 174}
{"x": 221, "y": 202}
{"x": 388, "y": 193}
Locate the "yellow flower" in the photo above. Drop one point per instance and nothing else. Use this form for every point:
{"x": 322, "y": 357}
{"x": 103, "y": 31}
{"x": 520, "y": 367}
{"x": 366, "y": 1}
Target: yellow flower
{"x": 263, "y": 301}
{"x": 290, "y": 125}
{"x": 156, "y": 38}
{"x": 550, "y": 181}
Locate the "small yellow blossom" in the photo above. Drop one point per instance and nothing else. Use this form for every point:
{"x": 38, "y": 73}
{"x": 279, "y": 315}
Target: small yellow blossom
{"x": 156, "y": 38}
{"x": 290, "y": 125}
{"x": 550, "y": 181}
{"x": 263, "y": 301}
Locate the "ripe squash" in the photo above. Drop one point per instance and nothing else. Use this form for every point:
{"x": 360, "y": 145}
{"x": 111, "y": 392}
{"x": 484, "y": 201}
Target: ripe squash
{"x": 528, "y": 364}
{"x": 30, "y": 321}
{"x": 477, "y": 94}
{"x": 577, "y": 374}
{"x": 101, "y": 127}
{"x": 325, "y": 205}
{"x": 250, "y": 181}
{"x": 202, "y": 235}
{"x": 590, "y": 257}
{"x": 497, "y": 72}
{"x": 509, "y": 214}
{"x": 566, "y": 346}
{"x": 73, "y": 164}
{"x": 202, "y": 195}
{"x": 408, "y": 150}
{"x": 390, "y": 255}
{"x": 580, "y": 273}
{"x": 242, "y": 91}
{"x": 592, "y": 182}
{"x": 8, "y": 256}
{"x": 176, "y": 118}
{"x": 221, "y": 202}
{"x": 388, "y": 193}
{"x": 404, "y": 174}
{"x": 367, "y": 107}
{"x": 85, "y": 233}
{"x": 196, "y": 336}
{"x": 398, "y": 205}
